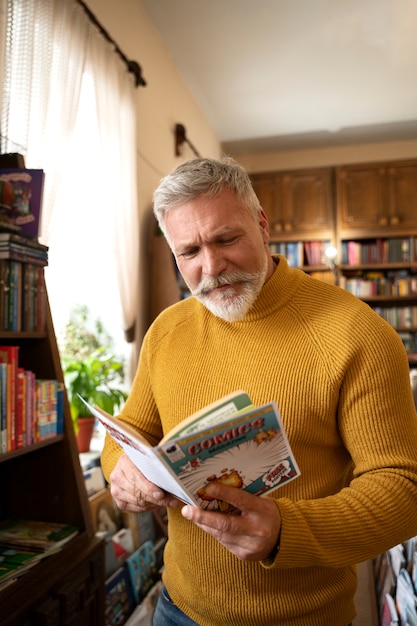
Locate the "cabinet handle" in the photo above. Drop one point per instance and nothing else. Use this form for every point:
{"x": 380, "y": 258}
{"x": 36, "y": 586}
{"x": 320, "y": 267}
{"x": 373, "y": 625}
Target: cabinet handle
{"x": 395, "y": 220}
{"x": 383, "y": 221}
{"x": 277, "y": 227}
{"x": 287, "y": 226}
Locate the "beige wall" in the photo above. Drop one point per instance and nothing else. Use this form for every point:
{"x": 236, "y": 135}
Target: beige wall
{"x": 164, "y": 102}
{"x": 321, "y": 157}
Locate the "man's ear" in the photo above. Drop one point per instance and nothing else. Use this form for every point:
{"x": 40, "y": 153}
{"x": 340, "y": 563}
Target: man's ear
{"x": 263, "y": 225}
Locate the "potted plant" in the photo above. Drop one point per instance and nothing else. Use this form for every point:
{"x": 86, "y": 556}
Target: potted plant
{"x": 91, "y": 370}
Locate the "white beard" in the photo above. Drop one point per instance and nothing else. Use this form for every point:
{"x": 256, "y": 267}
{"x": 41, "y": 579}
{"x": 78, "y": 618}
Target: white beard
{"x": 227, "y": 305}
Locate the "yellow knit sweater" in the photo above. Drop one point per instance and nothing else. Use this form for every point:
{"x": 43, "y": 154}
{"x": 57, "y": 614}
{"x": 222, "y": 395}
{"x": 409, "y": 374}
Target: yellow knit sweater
{"x": 339, "y": 375}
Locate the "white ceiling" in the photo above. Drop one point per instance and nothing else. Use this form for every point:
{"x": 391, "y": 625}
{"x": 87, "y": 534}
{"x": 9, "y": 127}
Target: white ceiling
{"x": 276, "y": 74}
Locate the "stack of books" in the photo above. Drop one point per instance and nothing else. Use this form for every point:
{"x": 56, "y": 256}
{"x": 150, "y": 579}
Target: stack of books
{"x": 24, "y": 543}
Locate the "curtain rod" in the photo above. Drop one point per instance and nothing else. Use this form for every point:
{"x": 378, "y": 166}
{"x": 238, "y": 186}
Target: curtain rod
{"x": 132, "y": 66}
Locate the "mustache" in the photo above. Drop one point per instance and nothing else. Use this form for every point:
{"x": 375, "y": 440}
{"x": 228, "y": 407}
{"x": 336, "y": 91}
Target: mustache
{"x": 228, "y": 278}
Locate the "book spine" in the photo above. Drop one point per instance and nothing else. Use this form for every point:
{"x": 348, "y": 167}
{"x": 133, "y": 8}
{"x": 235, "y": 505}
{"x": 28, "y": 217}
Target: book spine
{"x": 28, "y": 242}
{"x": 23, "y": 257}
{"x": 20, "y": 425}
{"x": 27, "y": 298}
{"x": 13, "y": 394}
{"x": 3, "y": 405}
{"x": 60, "y": 409}
{"x": 40, "y": 314}
{"x": 46, "y": 408}
{"x": 9, "y": 355}
{"x": 29, "y": 406}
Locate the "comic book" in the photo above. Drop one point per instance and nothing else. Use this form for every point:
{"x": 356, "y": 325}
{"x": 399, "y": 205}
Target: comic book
{"x": 230, "y": 441}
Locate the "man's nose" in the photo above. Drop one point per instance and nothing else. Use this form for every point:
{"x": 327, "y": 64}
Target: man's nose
{"x": 213, "y": 262}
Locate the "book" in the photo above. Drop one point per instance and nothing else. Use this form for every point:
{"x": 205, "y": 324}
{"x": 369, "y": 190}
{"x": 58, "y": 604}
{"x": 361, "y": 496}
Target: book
{"x": 36, "y": 534}
{"x": 3, "y": 406}
{"x": 23, "y": 241}
{"x": 22, "y": 256}
{"x": 40, "y": 301}
{"x": 141, "y": 565}
{"x": 389, "y": 612}
{"x": 119, "y": 602}
{"x": 230, "y": 441}
{"x": 4, "y": 293}
{"x": 24, "y": 203}
{"x": 15, "y": 296}
{"x": 123, "y": 545}
{"x": 104, "y": 512}
{"x": 142, "y": 526}
{"x": 9, "y": 355}
{"x": 21, "y": 409}
{"x": 15, "y": 562}
{"x": 94, "y": 480}
{"x": 143, "y": 614}
{"x": 30, "y": 407}
{"x": 405, "y": 599}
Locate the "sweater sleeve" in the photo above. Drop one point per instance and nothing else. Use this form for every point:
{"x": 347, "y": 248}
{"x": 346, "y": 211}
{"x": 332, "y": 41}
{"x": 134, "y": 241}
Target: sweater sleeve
{"x": 378, "y": 424}
{"x": 140, "y": 411}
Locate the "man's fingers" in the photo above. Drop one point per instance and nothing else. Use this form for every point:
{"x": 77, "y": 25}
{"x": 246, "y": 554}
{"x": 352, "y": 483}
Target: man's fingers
{"x": 232, "y": 495}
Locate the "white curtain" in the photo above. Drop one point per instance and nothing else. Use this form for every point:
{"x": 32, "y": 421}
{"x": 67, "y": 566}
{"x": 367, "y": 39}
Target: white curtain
{"x": 68, "y": 105}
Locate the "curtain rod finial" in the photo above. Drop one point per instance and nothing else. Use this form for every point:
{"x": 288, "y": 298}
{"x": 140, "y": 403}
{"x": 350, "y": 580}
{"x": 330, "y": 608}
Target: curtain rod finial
{"x": 136, "y": 69}
{"x": 179, "y": 138}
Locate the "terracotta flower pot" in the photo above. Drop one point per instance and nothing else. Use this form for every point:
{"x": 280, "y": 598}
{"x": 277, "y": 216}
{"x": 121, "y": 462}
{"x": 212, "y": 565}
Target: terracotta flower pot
{"x": 85, "y": 432}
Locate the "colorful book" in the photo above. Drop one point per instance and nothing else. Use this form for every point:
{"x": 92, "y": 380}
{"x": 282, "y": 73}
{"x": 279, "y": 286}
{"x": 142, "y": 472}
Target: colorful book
{"x": 4, "y": 293}
{"x": 24, "y": 205}
{"x": 14, "y": 562}
{"x": 40, "y": 300}
{"x": 30, "y": 407}
{"x": 28, "y": 243}
{"x": 15, "y": 296}
{"x": 9, "y": 355}
{"x": 60, "y": 395}
{"x": 36, "y": 534}
{"x": 389, "y": 612}
{"x": 3, "y": 406}
{"x": 230, "y": 442}
{"x": 21, "y": 409}
{"x": 119, "y": 602}
{"x": 141, "y": 566}
{"x": 46, "y": 414}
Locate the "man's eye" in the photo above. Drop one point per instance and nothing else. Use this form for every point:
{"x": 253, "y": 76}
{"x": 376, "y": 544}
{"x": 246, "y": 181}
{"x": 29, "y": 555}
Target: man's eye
{"x": 228, "y": 241}
{"x": 189, "y": 253}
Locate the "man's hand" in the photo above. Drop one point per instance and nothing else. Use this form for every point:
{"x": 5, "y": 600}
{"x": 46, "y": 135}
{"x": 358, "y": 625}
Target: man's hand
{"x": 133, "y": 492}
{"x": 252, "y": 535}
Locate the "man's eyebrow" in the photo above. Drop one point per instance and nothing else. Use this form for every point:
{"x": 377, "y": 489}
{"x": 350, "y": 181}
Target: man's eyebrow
{"x": 224, "y": 232}
{"x": 227, "y": 230}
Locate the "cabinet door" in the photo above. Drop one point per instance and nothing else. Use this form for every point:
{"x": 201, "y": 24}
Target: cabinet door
{"x": 402, "y": 186}
{"x": 269, "y": 192}
{"x": 297, "y": 202}
{"x": 308, "y": 202}
{"x": 361, "y": 197}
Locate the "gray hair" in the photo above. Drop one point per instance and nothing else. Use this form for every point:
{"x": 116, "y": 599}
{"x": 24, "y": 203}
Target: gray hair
{"x": 200, "y": 177}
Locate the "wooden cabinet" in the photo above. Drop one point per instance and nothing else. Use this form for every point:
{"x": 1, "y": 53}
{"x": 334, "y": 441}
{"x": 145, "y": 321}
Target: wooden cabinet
{"x": 299, "y": 206}
{"x": 44, "y": 481}
{"x": 379, "y": 197}
{"x": 369, "y": 207}
{"x": 74, "y": 598}
{"x": 377, "y": 214}
{"x": 297, "y": 203}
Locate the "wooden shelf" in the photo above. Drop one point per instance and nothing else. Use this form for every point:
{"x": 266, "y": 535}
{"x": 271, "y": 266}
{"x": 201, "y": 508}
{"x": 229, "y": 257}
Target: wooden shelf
{"x": 44, "y": 481}
{"x": 359, "y": 202}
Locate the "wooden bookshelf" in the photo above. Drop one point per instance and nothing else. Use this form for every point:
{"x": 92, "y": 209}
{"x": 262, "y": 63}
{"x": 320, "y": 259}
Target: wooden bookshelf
{"x": 44, "y": 481}
{"x": 368, "y": 209}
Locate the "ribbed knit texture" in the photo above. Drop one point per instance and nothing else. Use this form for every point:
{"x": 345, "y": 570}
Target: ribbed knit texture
{"x": 339, "y": 375}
